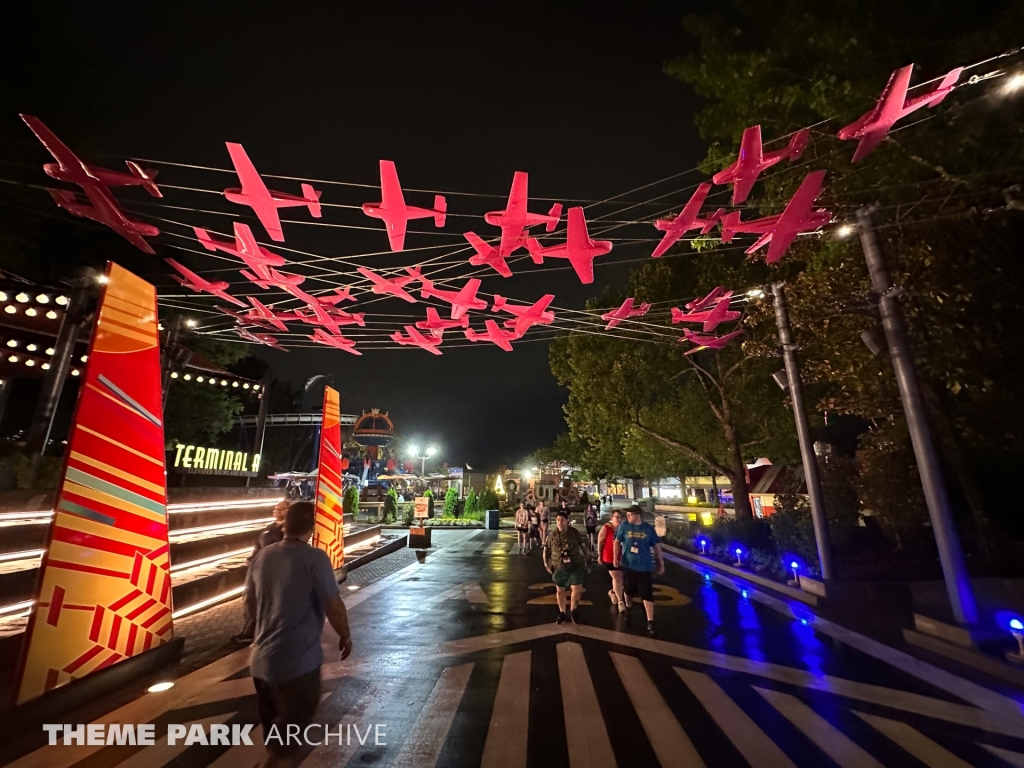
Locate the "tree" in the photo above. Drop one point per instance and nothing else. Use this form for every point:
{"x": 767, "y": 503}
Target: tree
{"x": 471, "y": 509}
{"x": 451, "y": 502}
{"x": 350, "y": 501}
{"x": 390, "y": 506}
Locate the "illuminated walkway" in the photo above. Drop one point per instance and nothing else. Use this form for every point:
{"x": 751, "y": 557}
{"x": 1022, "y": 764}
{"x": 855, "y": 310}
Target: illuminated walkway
{"x": 458, "y": 658}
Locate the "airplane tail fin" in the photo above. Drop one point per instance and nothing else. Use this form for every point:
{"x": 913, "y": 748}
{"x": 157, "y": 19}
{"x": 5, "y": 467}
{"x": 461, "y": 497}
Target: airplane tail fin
{"x": 204, "y": 238}
{"x": 729, "y": 222}
{"x": 535, "y": 250}
{"x": 677, "y": 315}
{"x": 312, "y": 198}
{"x": 146, "y": 176}
{"x": 62, "y": 197}
{"x": 946, "y": 86}
{"x": 556, "y": 211}
{"x": 416, "y": 274}
{"x": 798, "y": 144}
{"x": 713, "y": 219}
{"x": 440, "y": 208}
{"x": 498, "y": 304}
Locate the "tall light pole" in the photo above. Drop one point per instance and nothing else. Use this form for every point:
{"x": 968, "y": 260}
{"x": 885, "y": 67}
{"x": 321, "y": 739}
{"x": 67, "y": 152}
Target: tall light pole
{"x": 431, "y": 450}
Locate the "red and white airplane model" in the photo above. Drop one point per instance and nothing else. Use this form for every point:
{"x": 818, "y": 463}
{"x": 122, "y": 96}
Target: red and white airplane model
{"x": 106, "y": 211}
{"x": 712, "y": 318}
{"x": 259, "y": 338}
{"x": 260, "y": 315}
{"x": 516, "y": 218}
{"x": 493, "y": 334}
{"x": 753, "y": 160}
{"x": 265, "y": 202}
{"x": 461, "y": 300}
{"x": 716, "y": 293}
{"x": 624, "y": 312}
{"x": 526, "y": 315}
{"x": 393, "y": 210}
{"x": 578, "y": 248}
{"x": 781, "y": 229}
{"x": 70, "y": 168}
{"x": 687, "y": 219}
{"x": 392, "y": 285}
{"x": 707, "y": 342}
{"x": 871, "y": 127}
{"x": 194, "y": 282}
{"x": 430, "y": 342}
{"x": 335, "y": 340}
{"x": 435, "y": 323}
{"x": 487, "y": 255}
{"x": 256, "y": 257}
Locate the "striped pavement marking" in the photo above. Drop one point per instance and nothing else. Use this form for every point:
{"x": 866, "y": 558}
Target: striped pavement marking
{"x": 508, "y": 734}
{"x": 587, "y": 738}
{"x": 426, "y": 738}
{"x": 913, "y": 741}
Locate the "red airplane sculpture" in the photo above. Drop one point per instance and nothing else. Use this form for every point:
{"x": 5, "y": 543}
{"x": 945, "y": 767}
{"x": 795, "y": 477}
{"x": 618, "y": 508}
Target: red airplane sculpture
{"x": 256, "y": 257}
{"x": 393, "y": 210}
{"x": 339, "y": 295}
{"x": 686, "y": 220}
{"x": 435, "y": 323}
{"x": 753, "y": 161}
{"x": 430, "y": 342}
{"x": 461, "y": 300}
{"x": 259, "y": 338}
{"x": 264, "y": 202}
{"x": 624, "y": 312}
{"x": 871, "y": 127}
{"x": 716, "y": 293}
{"x": 578, "y": 248}
{"x": 711, "y": 318}
{"x": 194, "y": 282}
{"x": 487, "y": 255}
{"x": 707, "y": 342}
{"x": 71, "y": 169}
{"x": 493, "y": 334}
{"x": 781, "y": 229}
{"x": 321, "y": 316}
{"x": 516, "y": 219}
{"x": 106, "y": 211}
{"x": 260, "y": 315}
{"x": 525, "y": 315}
{"x": 392, "y": 285}
{"x": 335, "y": 340}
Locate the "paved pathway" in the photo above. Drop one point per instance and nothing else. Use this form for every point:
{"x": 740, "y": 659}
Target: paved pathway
{"x": 458, "y": 659}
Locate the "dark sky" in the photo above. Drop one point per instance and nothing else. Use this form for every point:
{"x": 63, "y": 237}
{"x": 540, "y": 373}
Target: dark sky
{"x": 460, "y": 95}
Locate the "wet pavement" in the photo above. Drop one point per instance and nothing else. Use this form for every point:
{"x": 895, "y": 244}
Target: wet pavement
{"x": 459, "y": 661}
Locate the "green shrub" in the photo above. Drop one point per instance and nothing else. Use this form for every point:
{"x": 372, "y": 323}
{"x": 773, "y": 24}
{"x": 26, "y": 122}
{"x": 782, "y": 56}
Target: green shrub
{"x": 430, "y": 502}
{"x": 391, "y": 506}
{"x": 489, "y": 500}
{"x": 471, "y": 509}
{"x": 350, "y": 501}
{"x": 793, "y": 531}
{"x": 451, "y": 503}
{"x": 407, "y": 513}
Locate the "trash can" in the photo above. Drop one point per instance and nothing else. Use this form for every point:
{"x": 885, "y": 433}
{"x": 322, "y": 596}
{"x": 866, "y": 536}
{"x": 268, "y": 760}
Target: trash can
{"x": 493, "y": 519}
{"x": 419, "y": 538}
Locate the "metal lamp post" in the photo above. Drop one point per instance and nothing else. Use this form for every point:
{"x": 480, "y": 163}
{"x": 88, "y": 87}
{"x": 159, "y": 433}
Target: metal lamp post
{"x": 431, "y": 451}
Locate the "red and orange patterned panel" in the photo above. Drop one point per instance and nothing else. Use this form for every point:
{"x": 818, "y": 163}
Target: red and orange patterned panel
{"x": 105, "y": 587}
{"x": 328, "y": 534}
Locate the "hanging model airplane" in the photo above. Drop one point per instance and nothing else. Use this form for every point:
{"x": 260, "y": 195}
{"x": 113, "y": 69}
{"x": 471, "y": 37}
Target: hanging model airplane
{"x": 265, "y": 202}
{"x": 516, "y": 218}
{"x": 753, "y": 160}
{"x": 526, "y": 315}
{"x": 624, "y": 312}
{"x": 257, "y": 258}
{"x": 70, "y": 168}
{"x": 259, "y": 338}
{"x": 430, "y": 342}
{"x": 871, "y": 127}
{"x": 260, "y": 315}
{"x": 393, "y": 210}
{"x": 189, "y": 279}
{"x": 780, "y": 230}
{"x": 716, "y": 293}
{"x": 707, "y": 342}
{"x": 578, "y": 248}
{"x": 487, "y": 255}
{"x": 493, "y": 334}
{"x": 461, "y": 300}
{"x": 335, "y": 340}
{"x": 105, "y": 210}
{"x": 711, "y": 318}
{"x": 687, "y": 219}
{"x": 392, "y": 285}
{"x": 435, "y": 323}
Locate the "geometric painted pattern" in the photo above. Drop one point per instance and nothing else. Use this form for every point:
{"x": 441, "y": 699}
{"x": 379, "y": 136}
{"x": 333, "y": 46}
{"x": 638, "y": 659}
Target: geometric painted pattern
{"x": 105, "y": 588}
{"x": 328, "y": 532}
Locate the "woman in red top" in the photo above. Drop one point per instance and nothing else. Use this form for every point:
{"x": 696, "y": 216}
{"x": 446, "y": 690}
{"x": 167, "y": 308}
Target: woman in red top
{"x": 606, "y": 548}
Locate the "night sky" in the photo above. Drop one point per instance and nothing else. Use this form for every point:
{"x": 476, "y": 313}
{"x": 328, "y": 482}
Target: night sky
{"x": 458, "y": 95}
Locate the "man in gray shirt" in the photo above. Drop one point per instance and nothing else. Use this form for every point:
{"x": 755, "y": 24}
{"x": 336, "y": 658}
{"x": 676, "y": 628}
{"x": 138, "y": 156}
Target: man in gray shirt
{"x": 290, "y": 588}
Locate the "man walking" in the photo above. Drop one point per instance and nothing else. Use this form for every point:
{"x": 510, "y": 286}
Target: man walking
{"x": 637, "y": 546}
{"x": 290, "y": 587}
{"x": 565, "y": 556}
{"x": 543, "y": 513}
{"x": 272, "y": 534}
{"x": 522, "y": 526}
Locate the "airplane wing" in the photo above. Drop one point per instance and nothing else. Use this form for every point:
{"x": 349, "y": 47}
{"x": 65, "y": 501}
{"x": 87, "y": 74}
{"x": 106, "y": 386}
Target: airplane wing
{"x": 578, "y": 237}
{"x": 867, "y": 143}
{"x": 396, "y": 231}
{"x": 895, "y": 94}
{"x": 584, "y": 266}
{"x": 517, "y": 197}
{"x": 741, "y": 189}
{"x": 252, "y": 183}
{"x": 112, "y": 215}
{"x": 779, "y": 244}
{"x": 53, "y": 145}
{"x": 390, "y": 189}
{"x": 800, "y": 205}
{"x": 750, "y": 147}
{"x": 543, "y": 303}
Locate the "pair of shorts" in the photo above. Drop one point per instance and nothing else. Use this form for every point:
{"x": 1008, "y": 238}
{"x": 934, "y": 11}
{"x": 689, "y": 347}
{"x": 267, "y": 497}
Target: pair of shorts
{"x": 638, "y": 584}
{"x": 569, "y": 575}
{"x": 289, "y": 702}
{"x": 523, "y": 530}
{"x": 611, "y": 566}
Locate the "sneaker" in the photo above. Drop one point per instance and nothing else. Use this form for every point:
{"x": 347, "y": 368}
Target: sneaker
{"x": 238, "y": 641}
{"x": 650, "y": 628}
{"x": 574, "y": 617}
{"x": 560, "y": 619}
{"x": 612, "y": 597}
{"x": 622, "y": 607}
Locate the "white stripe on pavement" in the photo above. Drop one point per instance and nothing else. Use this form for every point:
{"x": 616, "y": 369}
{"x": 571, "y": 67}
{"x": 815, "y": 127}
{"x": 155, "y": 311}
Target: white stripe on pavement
{"x": 426, "y": 738}
{"x": 589, "y": 746}
{"x": 162, "y": 753}
{"x": 913, "y": 741}
{"x": 508, "y": 733}
{"x": 1016, "y": 759}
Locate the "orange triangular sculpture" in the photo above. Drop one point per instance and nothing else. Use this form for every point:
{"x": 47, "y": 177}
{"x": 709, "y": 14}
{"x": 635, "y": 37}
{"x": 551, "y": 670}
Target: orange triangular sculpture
{"x": 105, "y": 584}
{"x": 328, "y": 533}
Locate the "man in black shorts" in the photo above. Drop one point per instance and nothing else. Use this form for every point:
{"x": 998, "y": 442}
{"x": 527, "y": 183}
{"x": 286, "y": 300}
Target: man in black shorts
{"x": 637, "y": 547}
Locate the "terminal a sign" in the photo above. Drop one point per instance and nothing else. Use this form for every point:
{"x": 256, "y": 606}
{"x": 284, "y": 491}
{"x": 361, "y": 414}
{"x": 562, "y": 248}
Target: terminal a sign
{"x": 199, "y": 460}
